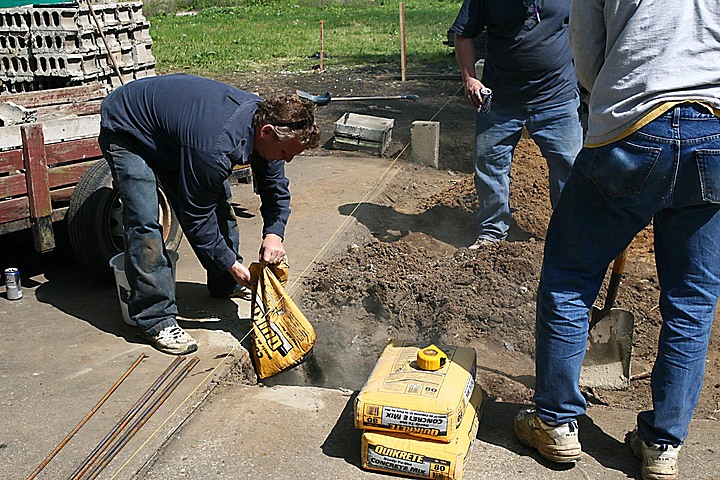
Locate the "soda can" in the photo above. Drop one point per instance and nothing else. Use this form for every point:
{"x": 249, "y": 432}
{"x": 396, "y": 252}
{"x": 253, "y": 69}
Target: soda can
{"x": 13, "y": 288}
{"x": 486, "y": 99}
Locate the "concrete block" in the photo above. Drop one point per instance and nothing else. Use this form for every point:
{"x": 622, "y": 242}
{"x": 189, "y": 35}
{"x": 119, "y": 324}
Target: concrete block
{"x": 363, "y": 132}
{"x": 15, "y": 20}
{"x": 15, "y": 43}
{"x": 13, "y": 114}
{"x": 425, "y": 143}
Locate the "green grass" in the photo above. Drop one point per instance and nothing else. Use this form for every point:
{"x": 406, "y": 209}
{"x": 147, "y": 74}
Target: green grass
{"x": 281, "y": 35}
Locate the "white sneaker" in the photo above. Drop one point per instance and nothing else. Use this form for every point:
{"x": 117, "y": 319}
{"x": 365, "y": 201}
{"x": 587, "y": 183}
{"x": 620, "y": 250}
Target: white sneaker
{"x": 173, "y": 340}
{"x": 242, "y": 292}
{"x": 556, "y": 443}
{"x": 659, "y": 462}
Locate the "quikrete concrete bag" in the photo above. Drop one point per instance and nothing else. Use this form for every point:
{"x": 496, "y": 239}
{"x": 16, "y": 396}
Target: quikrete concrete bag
{"x": 281, "y": 335}
{"x": 417, "y": 457}
{"x": 400, "y": 397}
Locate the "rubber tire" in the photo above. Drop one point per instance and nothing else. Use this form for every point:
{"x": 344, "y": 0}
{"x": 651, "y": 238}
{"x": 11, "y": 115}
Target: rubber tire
{"x": 94, "y": 219}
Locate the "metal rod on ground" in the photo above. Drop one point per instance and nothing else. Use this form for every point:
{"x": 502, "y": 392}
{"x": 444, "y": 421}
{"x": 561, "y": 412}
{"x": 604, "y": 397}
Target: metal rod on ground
{"x": 84, "y": 420}
{"x": 322, "y": 44}
{"x": 145, "y": 416}
{"x": 104, "y": 40}
{"x": 403, "y": 58}
{"x": 102, "y": 446}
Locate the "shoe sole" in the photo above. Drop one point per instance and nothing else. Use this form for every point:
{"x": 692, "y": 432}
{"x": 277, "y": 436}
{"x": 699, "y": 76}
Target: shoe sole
{"x": 549, "y": 452}
{"x": 190, "y": 348}
{"x": 637, "y": 451}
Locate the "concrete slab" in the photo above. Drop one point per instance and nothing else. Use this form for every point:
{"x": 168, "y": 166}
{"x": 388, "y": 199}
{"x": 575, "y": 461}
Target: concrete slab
{"x": 285, "y": 433}
{"x": 63, "y": 345}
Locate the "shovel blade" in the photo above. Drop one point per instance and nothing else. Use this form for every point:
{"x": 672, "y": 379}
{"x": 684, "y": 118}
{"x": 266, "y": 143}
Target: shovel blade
{"x": 609, "y": 350}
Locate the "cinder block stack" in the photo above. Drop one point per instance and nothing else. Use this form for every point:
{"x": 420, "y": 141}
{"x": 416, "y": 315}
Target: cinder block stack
{"x": 53, "y": 46}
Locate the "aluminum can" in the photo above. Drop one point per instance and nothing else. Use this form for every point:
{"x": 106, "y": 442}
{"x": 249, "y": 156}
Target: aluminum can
{"x": 486, "y": 98}
{"x": 13, "y": 288}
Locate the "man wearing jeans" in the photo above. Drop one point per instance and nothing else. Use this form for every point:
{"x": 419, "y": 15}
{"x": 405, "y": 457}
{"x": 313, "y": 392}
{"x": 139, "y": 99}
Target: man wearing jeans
{"x": 529, "y": 69}
{"x": 186, "y": 133}
{"x": 652, "y": 154}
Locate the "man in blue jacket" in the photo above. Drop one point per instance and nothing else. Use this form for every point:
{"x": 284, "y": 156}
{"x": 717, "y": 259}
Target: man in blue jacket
{"x": 528, "y": 67}
{"x": 187, "y": 133}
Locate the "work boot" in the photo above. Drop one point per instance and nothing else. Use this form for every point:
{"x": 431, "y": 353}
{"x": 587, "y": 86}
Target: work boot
{"x": 659, "y": 462}
{"x": 173, "y": 340}
{"x": 481, "y": 242}
{"x": 556, "y": 443}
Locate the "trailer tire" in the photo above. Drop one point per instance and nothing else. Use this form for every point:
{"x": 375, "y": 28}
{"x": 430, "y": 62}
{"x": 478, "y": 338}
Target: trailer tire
{"x": 94, "y": 219}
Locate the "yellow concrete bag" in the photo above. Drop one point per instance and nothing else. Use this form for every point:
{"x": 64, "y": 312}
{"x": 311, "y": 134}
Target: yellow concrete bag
{"x": 281, "y": 335}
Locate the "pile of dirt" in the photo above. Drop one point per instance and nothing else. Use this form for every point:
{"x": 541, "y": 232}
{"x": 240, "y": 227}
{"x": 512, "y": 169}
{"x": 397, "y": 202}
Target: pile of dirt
{"x": 413, "y": 278}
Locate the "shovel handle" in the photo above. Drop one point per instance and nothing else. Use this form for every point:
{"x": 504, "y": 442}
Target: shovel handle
{"x": 617, "y": 272}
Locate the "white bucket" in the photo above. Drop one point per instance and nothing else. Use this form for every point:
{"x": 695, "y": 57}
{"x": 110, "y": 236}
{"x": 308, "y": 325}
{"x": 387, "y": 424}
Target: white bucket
{"x": 123, "y": 287}
{"x": 117, "y": 263}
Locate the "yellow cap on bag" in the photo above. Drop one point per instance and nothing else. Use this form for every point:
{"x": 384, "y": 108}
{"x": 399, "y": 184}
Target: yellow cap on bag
{"x": 431, "y": 358}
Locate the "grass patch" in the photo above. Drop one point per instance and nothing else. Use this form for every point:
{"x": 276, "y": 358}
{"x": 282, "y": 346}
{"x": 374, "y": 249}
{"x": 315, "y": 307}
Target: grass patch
{"x": 282, "y": 36}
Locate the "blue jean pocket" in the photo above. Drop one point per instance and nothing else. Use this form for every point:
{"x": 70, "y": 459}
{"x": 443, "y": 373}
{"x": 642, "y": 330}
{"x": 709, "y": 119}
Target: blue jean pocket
{"x": 622, "y": 168}
{"x": 708, "y": 162}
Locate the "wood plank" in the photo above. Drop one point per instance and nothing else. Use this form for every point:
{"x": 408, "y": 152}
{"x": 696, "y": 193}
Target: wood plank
{"x": 55, "y": 131}
{"x": 68, "y": 110}
{"x": 36, "y": 170}
{"x": 73, "y": 150}
{"x": 61, "y": 195}
{"x": 11, "y": 161}
{"x": 14, "y": 209}
{"x": 13, "y": 185}
{"x": 68, "y": 174}
{"x": 57, "y": 95}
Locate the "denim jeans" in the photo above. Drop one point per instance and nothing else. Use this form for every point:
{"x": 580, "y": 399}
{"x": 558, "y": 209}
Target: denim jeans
{"x": 668, "y": 173}
{"x": 556, "y": 130}
{"x": 148, "y": 266}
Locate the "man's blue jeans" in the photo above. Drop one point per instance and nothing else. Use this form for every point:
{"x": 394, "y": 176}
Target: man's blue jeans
{"x": 668, "y": 173}
{"x": 556, "y": 130}
{"x": 148, "y": 266}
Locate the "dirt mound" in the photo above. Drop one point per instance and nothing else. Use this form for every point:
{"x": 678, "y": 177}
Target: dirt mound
{"x": 413, "y": 277}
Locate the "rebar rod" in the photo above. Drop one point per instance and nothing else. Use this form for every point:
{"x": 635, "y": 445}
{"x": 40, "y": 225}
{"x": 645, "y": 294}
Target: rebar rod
{"x": 84, "y": 420}
{"x": 122, "y": 423}
{"x": 145, "y": 416}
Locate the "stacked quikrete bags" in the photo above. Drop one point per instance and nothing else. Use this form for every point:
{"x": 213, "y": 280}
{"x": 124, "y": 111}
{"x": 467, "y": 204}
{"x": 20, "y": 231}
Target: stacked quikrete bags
{"x": 419, "y": 414}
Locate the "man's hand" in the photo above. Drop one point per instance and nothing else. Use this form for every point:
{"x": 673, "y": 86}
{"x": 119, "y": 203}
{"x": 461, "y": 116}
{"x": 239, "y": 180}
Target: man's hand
{"x": 472, "y": 92}
{"x": 240, "y": 273}
{"x": 272, "y": 249}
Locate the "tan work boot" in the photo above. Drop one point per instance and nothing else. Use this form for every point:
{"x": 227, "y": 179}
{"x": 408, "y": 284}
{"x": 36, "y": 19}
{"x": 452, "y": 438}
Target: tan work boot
{"x": 659, "y": 462}
{"x": 557, "y": 444}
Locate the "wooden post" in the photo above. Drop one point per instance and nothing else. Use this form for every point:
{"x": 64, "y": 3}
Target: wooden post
{"x": 38, "y": 186}
{"x": 322, "y": 44}
{"x": 403, "y": 59}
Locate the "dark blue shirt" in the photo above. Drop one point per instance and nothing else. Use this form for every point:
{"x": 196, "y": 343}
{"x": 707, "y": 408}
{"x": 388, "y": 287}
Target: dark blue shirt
{"x": 196, "y": 129}
{"x": 527, "y": 62}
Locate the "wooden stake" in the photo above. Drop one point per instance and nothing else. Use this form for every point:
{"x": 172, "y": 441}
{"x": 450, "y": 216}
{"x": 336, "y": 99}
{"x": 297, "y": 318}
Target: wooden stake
{"x": 403, "y": 59}
{"x": 322, "y": 44}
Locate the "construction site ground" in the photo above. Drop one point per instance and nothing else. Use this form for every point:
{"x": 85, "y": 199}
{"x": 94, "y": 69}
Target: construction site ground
{"x": 377, "y": 251}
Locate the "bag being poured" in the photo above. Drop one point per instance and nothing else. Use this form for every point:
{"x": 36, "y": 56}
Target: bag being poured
{"x": 281, "y": 335}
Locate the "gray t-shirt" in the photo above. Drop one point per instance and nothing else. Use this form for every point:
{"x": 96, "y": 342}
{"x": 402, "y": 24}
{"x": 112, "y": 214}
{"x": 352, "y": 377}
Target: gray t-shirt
{"x": 634, "y": 56}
